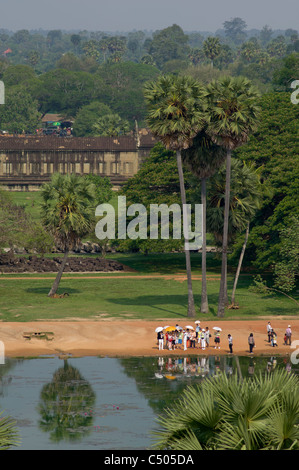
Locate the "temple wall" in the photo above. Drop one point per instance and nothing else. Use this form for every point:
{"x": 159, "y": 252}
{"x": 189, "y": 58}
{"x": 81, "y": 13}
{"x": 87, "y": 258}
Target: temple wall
{"x": 26, "y": 169}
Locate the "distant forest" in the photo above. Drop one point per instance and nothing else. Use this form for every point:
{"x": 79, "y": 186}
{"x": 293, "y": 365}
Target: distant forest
{"x": 85, "y": 75}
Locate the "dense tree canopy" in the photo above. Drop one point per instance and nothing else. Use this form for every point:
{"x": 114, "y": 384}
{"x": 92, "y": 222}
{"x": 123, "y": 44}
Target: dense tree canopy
{"x": 274, "y": 147}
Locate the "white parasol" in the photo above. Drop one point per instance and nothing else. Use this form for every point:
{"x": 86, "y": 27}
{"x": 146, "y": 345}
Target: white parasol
{"x": 197, "y": 322}
{"x": 160, "y": 328}
{"x": 217, "y": 328}
{"x": 189, "y": 327}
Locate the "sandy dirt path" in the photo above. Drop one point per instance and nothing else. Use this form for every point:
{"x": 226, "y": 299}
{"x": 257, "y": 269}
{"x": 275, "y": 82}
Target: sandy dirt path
{"x": 135, "y": 338}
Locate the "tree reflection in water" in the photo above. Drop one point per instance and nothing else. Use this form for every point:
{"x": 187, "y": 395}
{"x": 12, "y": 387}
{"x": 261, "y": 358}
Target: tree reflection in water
{"x": 66, "y": 405}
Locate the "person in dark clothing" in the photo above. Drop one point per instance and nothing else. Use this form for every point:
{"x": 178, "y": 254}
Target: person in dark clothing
{"x": 251, "y": 342}
{"x": 230, "y": 343}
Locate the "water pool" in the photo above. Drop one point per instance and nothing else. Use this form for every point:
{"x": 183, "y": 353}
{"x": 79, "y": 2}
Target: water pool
{"x": 103, "y": 403}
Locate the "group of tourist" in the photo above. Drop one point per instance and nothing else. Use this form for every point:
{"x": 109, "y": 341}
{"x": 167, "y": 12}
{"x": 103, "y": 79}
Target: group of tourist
{"x": 272, "y": 336}
{"x": 184, "y": 338}
{"x": 172, "y": 338}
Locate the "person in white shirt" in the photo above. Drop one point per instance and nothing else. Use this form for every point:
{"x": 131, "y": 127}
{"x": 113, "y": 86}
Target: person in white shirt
{"x": 203, "y": 339}
{"x": 207, "y": 335}
{"x": 269, "y": 331}
{"x": 161, "y": 340}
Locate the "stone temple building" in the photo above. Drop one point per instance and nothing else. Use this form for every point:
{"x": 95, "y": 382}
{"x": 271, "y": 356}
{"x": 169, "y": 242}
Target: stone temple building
{"x": 26, "y": 162}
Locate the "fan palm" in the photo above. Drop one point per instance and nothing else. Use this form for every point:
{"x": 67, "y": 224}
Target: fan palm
{"x": 230, "y": 413}
{"x": 203, "y": 159}
{"x": 9, "y": 435}
{"x": 212, "y": 48}
{"x": 176, "y": 113}
{"x": 233, "y": 114}
{"x": 67, "y": 211}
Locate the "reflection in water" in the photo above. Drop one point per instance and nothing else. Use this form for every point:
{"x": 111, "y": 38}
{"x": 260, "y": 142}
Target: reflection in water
{"x": 106, "y": 403}
{"x": 66, "y": 405}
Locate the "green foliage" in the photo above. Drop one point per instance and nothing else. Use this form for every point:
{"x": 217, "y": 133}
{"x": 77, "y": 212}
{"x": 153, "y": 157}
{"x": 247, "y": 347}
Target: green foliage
{"x": 230, "y": 413}
{"x": 87, "y": 116}
{"x": 245, "y": 199}
{"x": 19, "y": 114}
{"x": 235, "y": 30}
{"x": 176, "y": 109}
{"x": 212, "y": 47}
{"x": 287, "y": 268}
{"x": 169, "y": 44}
{"x": 233, "y": 110}
{"x": 67, "y": 210}
{"x": 124, "y": 83}
{"x": 103, "y": 187}
{"x": 110, "y": 125}
{"x": 274, "y": 148}
{"x": 9, "y": 436}
{"x": 19, "y": 229}
{"x": 157, "y": 182}
{"x": 66, "y": 91}
{"x": 288, "y": 72}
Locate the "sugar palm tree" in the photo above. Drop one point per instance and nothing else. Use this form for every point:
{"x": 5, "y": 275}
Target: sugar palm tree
{"x": 233, "y": 111}
{"x": 176, "y": 113}
{"x": 67, "y": 210}
{"x": 232, "y": 413}
{"x": 203, "y": 159}
{"x": 245, "y": 199}
{"x": 211, "y": 48}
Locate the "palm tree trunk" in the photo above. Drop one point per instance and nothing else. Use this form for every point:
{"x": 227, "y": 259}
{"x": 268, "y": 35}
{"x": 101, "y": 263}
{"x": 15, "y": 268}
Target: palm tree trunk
{"x": 239, "y": 265}
{"x": 204, "y": 307}
{"x": 223, "y": 281}
{"x": 191, "y": 306}
{"x": 59, "y": 275}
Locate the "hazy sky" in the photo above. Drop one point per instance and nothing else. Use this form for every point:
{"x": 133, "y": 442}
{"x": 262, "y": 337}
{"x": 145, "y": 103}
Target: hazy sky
{"x": 126, "y": 15}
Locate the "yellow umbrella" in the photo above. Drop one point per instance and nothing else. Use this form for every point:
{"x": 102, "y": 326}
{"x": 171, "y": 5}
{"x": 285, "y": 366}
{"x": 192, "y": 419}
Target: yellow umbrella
{"x": 170, "y": 328}
{"x": 170, "y": 377}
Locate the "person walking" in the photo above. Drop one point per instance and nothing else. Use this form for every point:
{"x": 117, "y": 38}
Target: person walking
{"x": 288, "y": 335}
{"x": 230, "y": 343}
{"x": 269, "y": 331}
{"x": 251, "y": 342}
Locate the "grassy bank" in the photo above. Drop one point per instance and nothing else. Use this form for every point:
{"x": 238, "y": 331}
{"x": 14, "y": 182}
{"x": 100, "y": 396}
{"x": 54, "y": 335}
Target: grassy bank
{"x": 130, "y": 296}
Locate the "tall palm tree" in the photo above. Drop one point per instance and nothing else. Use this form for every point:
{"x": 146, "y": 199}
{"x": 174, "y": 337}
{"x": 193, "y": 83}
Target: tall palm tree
{"x": 176, "y": 113}
{"x": 211, "y": 48}
{"x": 203, "y": 159}
{"x": 67, "y": 210}
{"x": 233, "y": 111}
{"x": 245, "y": 199}
{"x": 231, "y": 413}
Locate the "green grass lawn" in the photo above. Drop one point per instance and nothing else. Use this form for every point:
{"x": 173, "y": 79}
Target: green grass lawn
{"x": 152, "y": 299}
{"x": 29, "y": 200}
{"x": 121, "y": 298}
